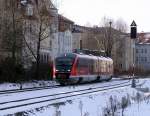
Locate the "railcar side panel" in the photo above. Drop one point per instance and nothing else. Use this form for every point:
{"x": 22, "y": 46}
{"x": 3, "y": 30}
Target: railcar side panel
{"x": 75, "y": 67}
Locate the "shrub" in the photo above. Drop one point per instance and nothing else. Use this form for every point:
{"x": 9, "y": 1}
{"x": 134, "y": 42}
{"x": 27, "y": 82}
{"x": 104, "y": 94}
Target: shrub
{"x": 45, "y": 72}
{"x": 10, "y": 71}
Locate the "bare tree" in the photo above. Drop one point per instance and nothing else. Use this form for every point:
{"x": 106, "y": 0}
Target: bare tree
{"x": 10, "y": 40}
{"x": 112, "y": 107}
{"x": 20, "y": 30}
{"x": 107, "y": 35}
{"x": 121, "y": 25}
{"x": 38, "y": 30}
{"x": 11, "y": 29}
{"x": 81, "y": 107}
{"x": 110, "y": 35}
{"x": 43, "y": 33}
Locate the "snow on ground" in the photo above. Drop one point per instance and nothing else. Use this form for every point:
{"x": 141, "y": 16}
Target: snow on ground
{"x": 10, "y": 86}
{"x": 135, "y": 101}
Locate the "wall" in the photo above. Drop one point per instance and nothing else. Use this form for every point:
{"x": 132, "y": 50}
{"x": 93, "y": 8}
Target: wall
{"x": 143, "y": 56}
{"x": 64, "y": 42}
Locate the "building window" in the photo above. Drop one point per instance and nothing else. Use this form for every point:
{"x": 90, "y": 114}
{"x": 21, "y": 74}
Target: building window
{"x": 145, "y": 50}
{"x": 142, "y": 59}
{"x": 23, "y": 2}
{"x": 80, "y": 44}
{"x": 121, "y": 66}
{"x": 136, "y": 50}
{"x": 145, "y": 59}
{"x": 141, "y": 50}
{"x": 29, "y": 10}
{"x": 136, "y": 59}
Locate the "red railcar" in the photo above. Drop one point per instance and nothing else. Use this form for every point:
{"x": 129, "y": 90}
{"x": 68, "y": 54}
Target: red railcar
{"x": 77, "y": 68}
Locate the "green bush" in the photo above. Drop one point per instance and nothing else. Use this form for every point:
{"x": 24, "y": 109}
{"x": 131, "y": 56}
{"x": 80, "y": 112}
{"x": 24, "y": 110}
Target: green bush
{"x": 14, "y": 72}
{"x": 45, "y": 72}
{"x": 10, "y": 71}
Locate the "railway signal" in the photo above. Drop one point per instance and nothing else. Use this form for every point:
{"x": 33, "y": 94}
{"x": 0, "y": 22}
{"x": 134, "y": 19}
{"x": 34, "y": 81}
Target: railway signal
{"x": 133, "y": 35}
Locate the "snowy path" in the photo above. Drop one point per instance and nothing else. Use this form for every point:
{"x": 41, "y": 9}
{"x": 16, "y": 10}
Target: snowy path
{"x": 26, "y": 95}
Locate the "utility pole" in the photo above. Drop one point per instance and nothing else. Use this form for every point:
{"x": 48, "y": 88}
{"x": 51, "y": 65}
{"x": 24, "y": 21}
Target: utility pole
{"x": 109, "y": 40}
{"x": 110, "y": 23}
{"x": 81, "y": 44}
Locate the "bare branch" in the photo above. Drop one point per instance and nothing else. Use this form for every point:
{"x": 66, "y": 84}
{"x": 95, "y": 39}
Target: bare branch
{"x": 29, "y": 48}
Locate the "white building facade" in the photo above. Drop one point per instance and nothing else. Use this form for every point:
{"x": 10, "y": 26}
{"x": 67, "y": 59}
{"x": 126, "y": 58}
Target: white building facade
{"x": 64, "y": 42}
{"x": 143, "y": 56}
{"x": 49, "y": 33}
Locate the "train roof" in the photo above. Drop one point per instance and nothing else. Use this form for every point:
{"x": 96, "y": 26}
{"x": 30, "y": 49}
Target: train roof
{"x": 85, "y": 55}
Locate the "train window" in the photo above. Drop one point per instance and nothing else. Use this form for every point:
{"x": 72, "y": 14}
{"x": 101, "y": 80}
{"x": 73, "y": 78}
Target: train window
{"x": 91, "y": 65}
{"x": 64, "y": 61}
{"x": 104, "y": 66}
{"x": 82, "y": 62}
{"x": 84, "y": 65}
{"x": 95, "y": 66}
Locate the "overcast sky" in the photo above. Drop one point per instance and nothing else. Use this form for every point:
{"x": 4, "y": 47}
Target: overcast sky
{"x": 92, "y": 11}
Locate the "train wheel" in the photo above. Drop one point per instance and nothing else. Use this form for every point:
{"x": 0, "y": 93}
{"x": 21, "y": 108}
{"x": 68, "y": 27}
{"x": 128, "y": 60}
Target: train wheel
{"x": 98, "y": 78}
{"x": 109, "y": 78}
{"x": 63, "y": 83}
{"x": 80, "y": 80}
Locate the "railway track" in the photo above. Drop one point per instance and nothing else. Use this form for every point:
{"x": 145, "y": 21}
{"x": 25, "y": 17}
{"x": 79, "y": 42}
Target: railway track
{"x": 49, "y": 99}
{"x": 27, "y": 89}
{"x": 31, "y": 89}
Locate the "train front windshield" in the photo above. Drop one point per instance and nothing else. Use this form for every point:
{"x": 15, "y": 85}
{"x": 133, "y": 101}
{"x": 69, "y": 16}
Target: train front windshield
{"x": 64, "y": 64}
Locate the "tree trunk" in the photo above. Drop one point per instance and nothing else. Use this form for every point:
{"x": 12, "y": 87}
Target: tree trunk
{"x": 14, "y": 38}
{"x": 38, "y": 59}
{"x": 38, "y": 52}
